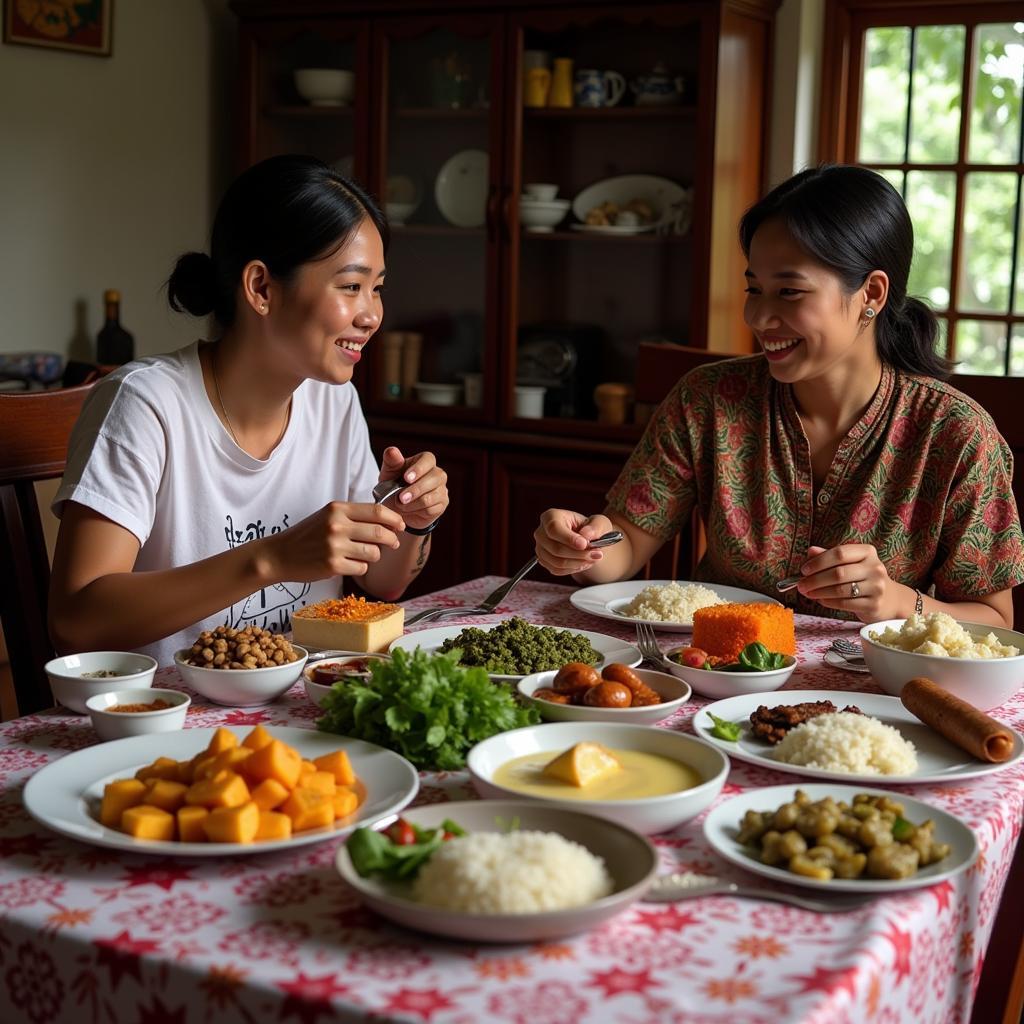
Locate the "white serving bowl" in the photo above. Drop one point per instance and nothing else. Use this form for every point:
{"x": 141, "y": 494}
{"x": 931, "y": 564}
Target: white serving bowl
{"x": 241, "y": 687}
{"x": 984, "y": 682}
{"x": 542, "y": 216}
{"x": 541, "y": 191}
{"x": 648, "y": 815}
{"x": 709, "y": 683}
{"x": 317, "y": 691}
{"x": 135, "y": 671}
{"x": 115, "y": 725}
{"x": 674, "y": 694}
{"x": 325, "y": 87}
{"x": 438, "y": 394}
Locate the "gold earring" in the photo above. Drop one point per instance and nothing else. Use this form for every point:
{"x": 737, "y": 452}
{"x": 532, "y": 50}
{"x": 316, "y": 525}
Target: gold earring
{"x": 263, "y": 307}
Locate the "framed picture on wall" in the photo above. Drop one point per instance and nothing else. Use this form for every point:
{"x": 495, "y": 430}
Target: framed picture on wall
{"x": 82, "y": 26}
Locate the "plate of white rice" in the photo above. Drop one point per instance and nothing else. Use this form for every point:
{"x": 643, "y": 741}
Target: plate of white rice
{"x": 667, "y": 605}
{"x": 884, "y": 744}
{"x": 524, "y": 873}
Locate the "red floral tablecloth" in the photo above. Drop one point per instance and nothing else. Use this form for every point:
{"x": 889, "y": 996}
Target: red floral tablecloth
{"x": 93, "y": 935}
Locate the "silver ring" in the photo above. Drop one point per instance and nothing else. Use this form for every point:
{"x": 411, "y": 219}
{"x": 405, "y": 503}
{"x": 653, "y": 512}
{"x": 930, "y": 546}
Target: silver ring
{"x": 854, "y": 590}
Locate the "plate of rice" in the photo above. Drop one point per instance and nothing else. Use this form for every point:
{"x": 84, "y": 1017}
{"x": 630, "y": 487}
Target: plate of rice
{"x": 524, "y": 873}
{"x": 883, "y": 743}
{"x": 667, "y": 605}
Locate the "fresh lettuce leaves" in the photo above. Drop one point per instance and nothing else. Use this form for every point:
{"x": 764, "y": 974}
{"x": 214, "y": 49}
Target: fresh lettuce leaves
{"x": 428, "y": 708}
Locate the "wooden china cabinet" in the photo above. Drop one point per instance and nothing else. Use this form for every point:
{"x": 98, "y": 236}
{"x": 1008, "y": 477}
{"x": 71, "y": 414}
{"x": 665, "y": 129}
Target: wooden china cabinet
{"x": 437, "y": 125}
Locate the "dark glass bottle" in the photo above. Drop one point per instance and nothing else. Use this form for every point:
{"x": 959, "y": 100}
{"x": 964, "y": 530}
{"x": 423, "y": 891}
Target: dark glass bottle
{"x": 114, "y": 345}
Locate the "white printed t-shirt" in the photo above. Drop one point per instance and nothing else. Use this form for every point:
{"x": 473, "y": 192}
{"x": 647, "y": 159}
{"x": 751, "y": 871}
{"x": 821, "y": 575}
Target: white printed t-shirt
{"x": 150, "y": 453}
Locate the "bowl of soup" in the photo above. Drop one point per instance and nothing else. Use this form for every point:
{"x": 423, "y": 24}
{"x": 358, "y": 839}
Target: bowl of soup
{"x": 665, "y": 777}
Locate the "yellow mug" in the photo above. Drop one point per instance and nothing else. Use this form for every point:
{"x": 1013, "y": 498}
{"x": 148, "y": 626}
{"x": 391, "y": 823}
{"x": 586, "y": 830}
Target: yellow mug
{"x": 536, "y": 83}
{"x": 561, "y": 84}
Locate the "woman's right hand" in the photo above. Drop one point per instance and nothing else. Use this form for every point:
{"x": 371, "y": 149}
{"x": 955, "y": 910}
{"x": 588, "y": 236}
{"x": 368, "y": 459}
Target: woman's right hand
{"x": 563, "y": 537}
{"x": 342, "y": 539}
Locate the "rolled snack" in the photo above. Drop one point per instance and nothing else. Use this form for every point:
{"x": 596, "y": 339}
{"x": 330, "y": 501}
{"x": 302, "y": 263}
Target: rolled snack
{"x": 961, "y": 723}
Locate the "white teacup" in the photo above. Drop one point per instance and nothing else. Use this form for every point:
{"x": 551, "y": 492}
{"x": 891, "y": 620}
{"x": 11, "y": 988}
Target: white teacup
{"x": 540, "y": 191}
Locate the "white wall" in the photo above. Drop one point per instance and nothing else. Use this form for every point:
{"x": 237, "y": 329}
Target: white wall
{"x": 109, "y": 168}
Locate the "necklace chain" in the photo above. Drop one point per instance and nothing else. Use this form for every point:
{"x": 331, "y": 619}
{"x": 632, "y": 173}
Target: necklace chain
{"x": 223, "y": 408}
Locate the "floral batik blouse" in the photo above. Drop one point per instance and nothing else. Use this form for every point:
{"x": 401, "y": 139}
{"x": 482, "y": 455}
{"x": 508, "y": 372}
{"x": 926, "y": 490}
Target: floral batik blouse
{"x": 923, "y": 476}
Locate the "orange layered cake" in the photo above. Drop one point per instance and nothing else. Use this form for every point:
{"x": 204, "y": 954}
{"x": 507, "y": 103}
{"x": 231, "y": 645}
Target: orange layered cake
{"x": 348, "y": 624}
{"x": 724, "y": 630}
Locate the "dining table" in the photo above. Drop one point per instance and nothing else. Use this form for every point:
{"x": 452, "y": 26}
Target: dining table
{"x": 92, "y": 935}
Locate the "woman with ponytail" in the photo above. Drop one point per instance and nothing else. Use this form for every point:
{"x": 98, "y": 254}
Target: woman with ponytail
{"x": 230, "y": 483}
{"x": 837, "y": 454}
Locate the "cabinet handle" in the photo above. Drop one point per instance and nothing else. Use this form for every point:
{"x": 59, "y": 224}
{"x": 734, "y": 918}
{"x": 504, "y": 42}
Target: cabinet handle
{"x": 491, "y": 211}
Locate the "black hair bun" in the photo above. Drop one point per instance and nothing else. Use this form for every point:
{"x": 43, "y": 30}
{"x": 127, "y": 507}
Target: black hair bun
{"x": 192, "y": 287}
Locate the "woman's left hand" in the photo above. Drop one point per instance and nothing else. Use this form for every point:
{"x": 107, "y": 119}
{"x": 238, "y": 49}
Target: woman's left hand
{"x": 852, "y": 578}
{"x": 426, "y": 496}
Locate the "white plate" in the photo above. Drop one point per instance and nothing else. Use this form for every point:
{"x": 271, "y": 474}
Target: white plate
{"x": 461, "y": 188}
{"x": 838, "y": 661}
{"x": 660, "y": 193}
{"x": 613, "y": 229}
{"x": 609, "y": 647}
{"x": 938, "y": 760}
{"x": 630, "y": 859}
{"x": 65, "y": 795}
{"x": 722, "y": 825}
{"x": 604, "y": 600}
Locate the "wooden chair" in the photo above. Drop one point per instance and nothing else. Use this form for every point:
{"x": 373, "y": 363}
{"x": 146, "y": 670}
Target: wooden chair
{"x": 35, "y": 427}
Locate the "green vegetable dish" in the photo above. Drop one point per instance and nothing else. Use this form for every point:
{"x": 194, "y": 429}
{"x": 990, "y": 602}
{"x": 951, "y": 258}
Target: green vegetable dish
{"x": 428, "y": 708}
{"x": 515, "y": 648}
{"x": 725, "y": 730}
{"x": 399, "y": 851}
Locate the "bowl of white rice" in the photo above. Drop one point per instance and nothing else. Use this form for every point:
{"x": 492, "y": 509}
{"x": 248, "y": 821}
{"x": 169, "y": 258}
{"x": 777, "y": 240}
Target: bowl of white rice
{"x": 848, "y": 744}
{"x": 668, "y": 602}
{"x": 981, "y": 664}
{"x": 524, "y": 873}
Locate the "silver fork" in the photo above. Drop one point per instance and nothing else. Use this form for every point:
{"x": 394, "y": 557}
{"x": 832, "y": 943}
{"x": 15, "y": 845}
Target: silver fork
{"x": 847, "y": 650}
{"x": 649, "y": 646}
{"x": 685, "y": 885}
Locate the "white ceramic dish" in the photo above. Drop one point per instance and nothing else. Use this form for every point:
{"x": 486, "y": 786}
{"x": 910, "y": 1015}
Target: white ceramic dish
{"x": 609, "y": 647}
{"x": 629, "y": 858}
{"x": 613, "y": 229}
{"x": 399, "y": 213}
{"x": 721, "y": 828}
{"x": 607, "y": 599}
{"x": 984, "y": 682}
{"x": 438, "y": 394}
{"x": 709, "y": 683}
{"x": 938, "y": 760}
{"x": 540, "y": 191}
{"x": 317, "y": 691}
{"x": 241, "y": 687}
{"x": 648, "y": 815}
{"x": 660, "y": 193}
{"x": 325, "y": 87}
{"x": 542, "y": 216}
{"x": 674, "y": 694}
{"x": 135, "y": 672}
{"x": 115, "y": 725}
{"x": 460, "y": 190}
{"x": 65, "y": 795}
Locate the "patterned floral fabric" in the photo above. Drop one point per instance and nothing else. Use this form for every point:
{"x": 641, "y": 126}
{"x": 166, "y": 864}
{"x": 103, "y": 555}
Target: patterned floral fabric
{"x": 923, "y": 476}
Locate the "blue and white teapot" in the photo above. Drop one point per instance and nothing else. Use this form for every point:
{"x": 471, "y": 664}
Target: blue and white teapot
{"x": 658, "y": 88}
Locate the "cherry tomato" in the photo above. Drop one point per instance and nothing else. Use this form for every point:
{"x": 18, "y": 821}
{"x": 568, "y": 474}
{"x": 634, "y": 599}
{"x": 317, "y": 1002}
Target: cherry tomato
{"x": 694, "y": 657}
{"x": 402, "y": 833}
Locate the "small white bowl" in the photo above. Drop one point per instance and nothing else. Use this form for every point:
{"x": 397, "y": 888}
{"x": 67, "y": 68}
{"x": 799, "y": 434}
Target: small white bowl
{"x": 241, "y": 687}
{"x": 542, "y": 191}
{"x": 325, "y": 87}
{"x": 542, "y": 216}
{"x": 114, "y": 725}
{"x": 648, "y": 815}
{"x": 984, "y": 682}
{"x": 674, "y": 694}
{"x": 317, "y": 691}
{"x": 72, "y": 691}
{"x": 438, "y": 394}
{"x": 710, "y": 683}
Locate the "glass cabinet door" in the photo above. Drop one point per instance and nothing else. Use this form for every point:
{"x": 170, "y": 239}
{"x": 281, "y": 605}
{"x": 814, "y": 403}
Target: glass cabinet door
{"x": 603, "y": 198}
{"x": 437, "y": 166}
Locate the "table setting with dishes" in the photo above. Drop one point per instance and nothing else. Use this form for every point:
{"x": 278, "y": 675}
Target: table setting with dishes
{"x": 518, "y": 801}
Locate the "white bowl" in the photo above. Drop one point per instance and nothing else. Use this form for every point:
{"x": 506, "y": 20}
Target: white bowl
{"x": 674, "y": 694}
{"x": 72, "y": 691}
{"x": 399, "y": 213}
{"x": 114, "y": 725}
{"x": 325, "y": 87}
{"x": 542, "y": 191}
{"x": 984, "y": 682}
{"x": 317, "y": 691}
{"x": 647, "y": 815}
{"x": 542, "y": 216}
{"x": 241, "y": 687}
{"x": 719, "y": 685}
{"x": 438, "y": 394}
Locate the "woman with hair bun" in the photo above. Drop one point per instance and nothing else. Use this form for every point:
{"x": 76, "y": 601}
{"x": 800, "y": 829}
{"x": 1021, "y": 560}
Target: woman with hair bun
{"x": 230, "y": 483}
{"x": 837, "y": 454}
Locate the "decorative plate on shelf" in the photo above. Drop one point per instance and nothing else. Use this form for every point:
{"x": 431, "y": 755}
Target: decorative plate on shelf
{"x": 668, "y": 203}
{"x": 461, "y": 188}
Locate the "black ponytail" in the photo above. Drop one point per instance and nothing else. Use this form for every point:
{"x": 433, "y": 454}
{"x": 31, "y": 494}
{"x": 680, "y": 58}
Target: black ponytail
{"x": 852, "y": 221}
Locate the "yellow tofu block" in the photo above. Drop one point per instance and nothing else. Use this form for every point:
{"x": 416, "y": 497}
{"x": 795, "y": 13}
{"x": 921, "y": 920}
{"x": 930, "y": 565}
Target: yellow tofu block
{"x": 223, "y": 739}
{"x": 274, "y": 825}
{"x": 190, "y": 824}
{"x": 225, "y": 789}
{"x": 274, "y": 761}
{"x": 345, "y": 802}
{"x": 258, "y": 738}
{"x": 232, "y": 824}
{"x": 118, "y": 796}
{"x": 338, "y": 764}
{"x": 166, "y": 795}
{"x": 583, "y": 764}
{"x": 161, "y": 768}
{"x": 269, "y": 794}
{"x": 309, "y": 808}
{"x": 145, "y": 822}
{"x": 373, "y": 633}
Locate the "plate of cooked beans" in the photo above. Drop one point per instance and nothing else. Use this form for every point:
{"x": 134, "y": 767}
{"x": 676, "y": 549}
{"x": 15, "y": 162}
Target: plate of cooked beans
{"x": 840, "y": 838}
